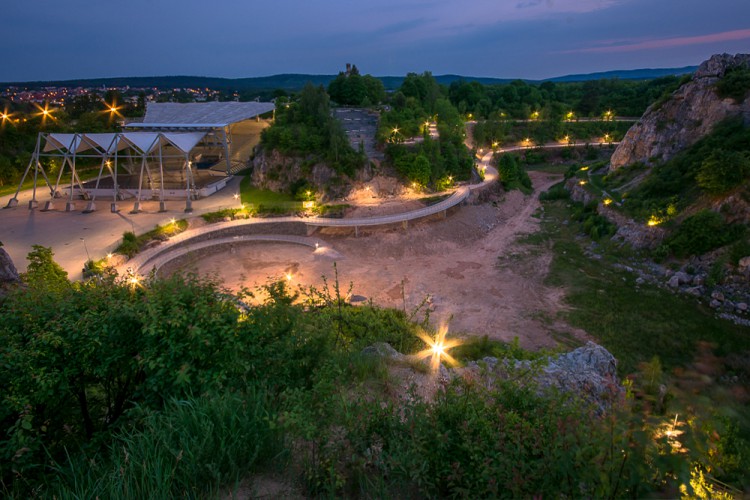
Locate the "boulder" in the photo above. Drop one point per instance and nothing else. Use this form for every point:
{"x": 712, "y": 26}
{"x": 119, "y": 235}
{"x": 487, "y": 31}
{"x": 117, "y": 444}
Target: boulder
{"x": 589, "y": 371}
{"x": 382, "y": 350}
{"x": 683, "y": 278}
{"x": 673, "y": 281}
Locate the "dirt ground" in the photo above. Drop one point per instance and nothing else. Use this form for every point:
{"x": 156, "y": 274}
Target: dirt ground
{"x": 470, "y": 265}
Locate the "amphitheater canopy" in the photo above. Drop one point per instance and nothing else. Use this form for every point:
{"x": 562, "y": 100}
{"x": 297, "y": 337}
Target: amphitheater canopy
{"x": 106, "y": 144}
{"x": 165, "y": 115}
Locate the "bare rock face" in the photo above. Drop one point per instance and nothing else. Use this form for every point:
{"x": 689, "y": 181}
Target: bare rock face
{"x": 8, "y": 273}
{"x": 690, "y": 114}
{"x": 274, "y": 171}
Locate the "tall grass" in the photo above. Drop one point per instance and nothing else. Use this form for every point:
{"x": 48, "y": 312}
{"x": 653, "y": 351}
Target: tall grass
{"x": 192, "y": 448}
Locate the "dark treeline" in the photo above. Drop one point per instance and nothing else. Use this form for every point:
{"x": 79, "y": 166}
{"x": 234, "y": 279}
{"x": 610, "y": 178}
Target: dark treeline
{"x": 553, "y": 101}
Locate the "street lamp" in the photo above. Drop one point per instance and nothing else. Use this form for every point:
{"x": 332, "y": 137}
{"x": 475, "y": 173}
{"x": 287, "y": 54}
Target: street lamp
{"x": 88, "y": 257}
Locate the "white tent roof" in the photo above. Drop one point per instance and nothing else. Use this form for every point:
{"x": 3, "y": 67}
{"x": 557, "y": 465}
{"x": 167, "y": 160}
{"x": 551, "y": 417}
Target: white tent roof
{"x": 68, "y": 142}
{"x": 184, "y": 141}
{"x": 107, "y": 142}
{"x": 200, "y": 114}
{"x": 146, "y": 142}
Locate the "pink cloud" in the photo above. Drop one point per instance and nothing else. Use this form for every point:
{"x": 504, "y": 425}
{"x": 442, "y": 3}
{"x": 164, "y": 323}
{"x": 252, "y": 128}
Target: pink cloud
{"x": 666, "y": 43}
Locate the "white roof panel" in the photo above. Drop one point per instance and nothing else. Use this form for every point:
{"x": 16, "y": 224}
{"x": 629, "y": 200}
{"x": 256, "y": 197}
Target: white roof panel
{"x": 214, "y": 114}
{"x": 144, "y": 141}
{"x": 184, "y": 141}
{"x": 68, "y": 142}
{"x": 108, "y": 142}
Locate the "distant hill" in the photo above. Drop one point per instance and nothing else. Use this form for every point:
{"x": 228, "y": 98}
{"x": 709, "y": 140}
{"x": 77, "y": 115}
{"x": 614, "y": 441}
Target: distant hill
{"x": 627, "y": 74}
{"x": 295, "y": 81}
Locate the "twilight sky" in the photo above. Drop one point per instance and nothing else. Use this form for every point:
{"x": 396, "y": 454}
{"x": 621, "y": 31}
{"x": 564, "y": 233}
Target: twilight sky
{"x": 54, "y": 39}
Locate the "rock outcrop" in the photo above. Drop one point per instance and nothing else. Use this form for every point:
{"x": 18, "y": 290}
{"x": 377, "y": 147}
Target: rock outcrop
{"x": 8, "y": 273}
{"x": 589, "y": 372}
{"x": 692, "y": 111}
{"x": 274, "y": 171}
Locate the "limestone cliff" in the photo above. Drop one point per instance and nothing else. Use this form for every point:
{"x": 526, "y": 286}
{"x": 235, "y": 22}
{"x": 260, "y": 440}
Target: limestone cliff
{"x": 689, "y": 114}
{"x": 277, "y": 172}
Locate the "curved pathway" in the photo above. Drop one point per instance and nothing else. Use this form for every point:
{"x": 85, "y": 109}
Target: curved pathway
{"x": 180, "y": 244}
{"x": 163, "y": 255}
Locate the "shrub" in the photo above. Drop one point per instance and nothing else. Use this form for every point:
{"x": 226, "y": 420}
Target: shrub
{"x": 735, "y": 84}
{"x": 512, "y": 175}
{"x": 556, "y": 192}
{"x": 593, "y": 224}
{"x": 701, "y": 233}
{"x": 722, "y": 171}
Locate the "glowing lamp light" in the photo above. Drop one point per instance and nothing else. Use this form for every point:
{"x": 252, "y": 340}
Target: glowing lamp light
{"x": 607, "y": 201}
{"x": 653, "y": 221}
{"x": 288, "y": 277}
{"x": 437, "y": 348}
{"x": 236, "y": 196}
{"x": 109, "y": 256}
{"x": 583, "y": 169}
{"x": 582, "y": 182}
{"x": 172, "y": 221}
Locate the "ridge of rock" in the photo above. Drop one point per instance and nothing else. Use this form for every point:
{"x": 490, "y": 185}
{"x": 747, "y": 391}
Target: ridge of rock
{"x": 692, "y": 111}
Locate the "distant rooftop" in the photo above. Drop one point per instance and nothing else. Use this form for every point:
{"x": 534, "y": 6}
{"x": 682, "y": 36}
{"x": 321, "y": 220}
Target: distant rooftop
{"x": 200, "y": 114}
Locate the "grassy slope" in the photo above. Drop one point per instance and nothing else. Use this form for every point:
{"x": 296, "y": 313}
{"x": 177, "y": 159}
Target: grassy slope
{"x": 635, "y": 323}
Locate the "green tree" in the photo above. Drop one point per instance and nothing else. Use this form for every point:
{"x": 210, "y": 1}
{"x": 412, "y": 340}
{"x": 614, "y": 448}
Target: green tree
{"x": 420, "y": 170}
{"x": 43, "y": 271}
{"x": 723, "y": 170}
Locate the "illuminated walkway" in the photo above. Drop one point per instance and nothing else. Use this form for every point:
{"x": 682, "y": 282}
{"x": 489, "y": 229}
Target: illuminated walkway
{"x": 201, "y": 238}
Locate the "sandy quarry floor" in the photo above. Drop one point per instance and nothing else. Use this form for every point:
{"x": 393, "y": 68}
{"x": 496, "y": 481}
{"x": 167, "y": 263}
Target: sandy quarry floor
{"x": 469, "y": 264}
